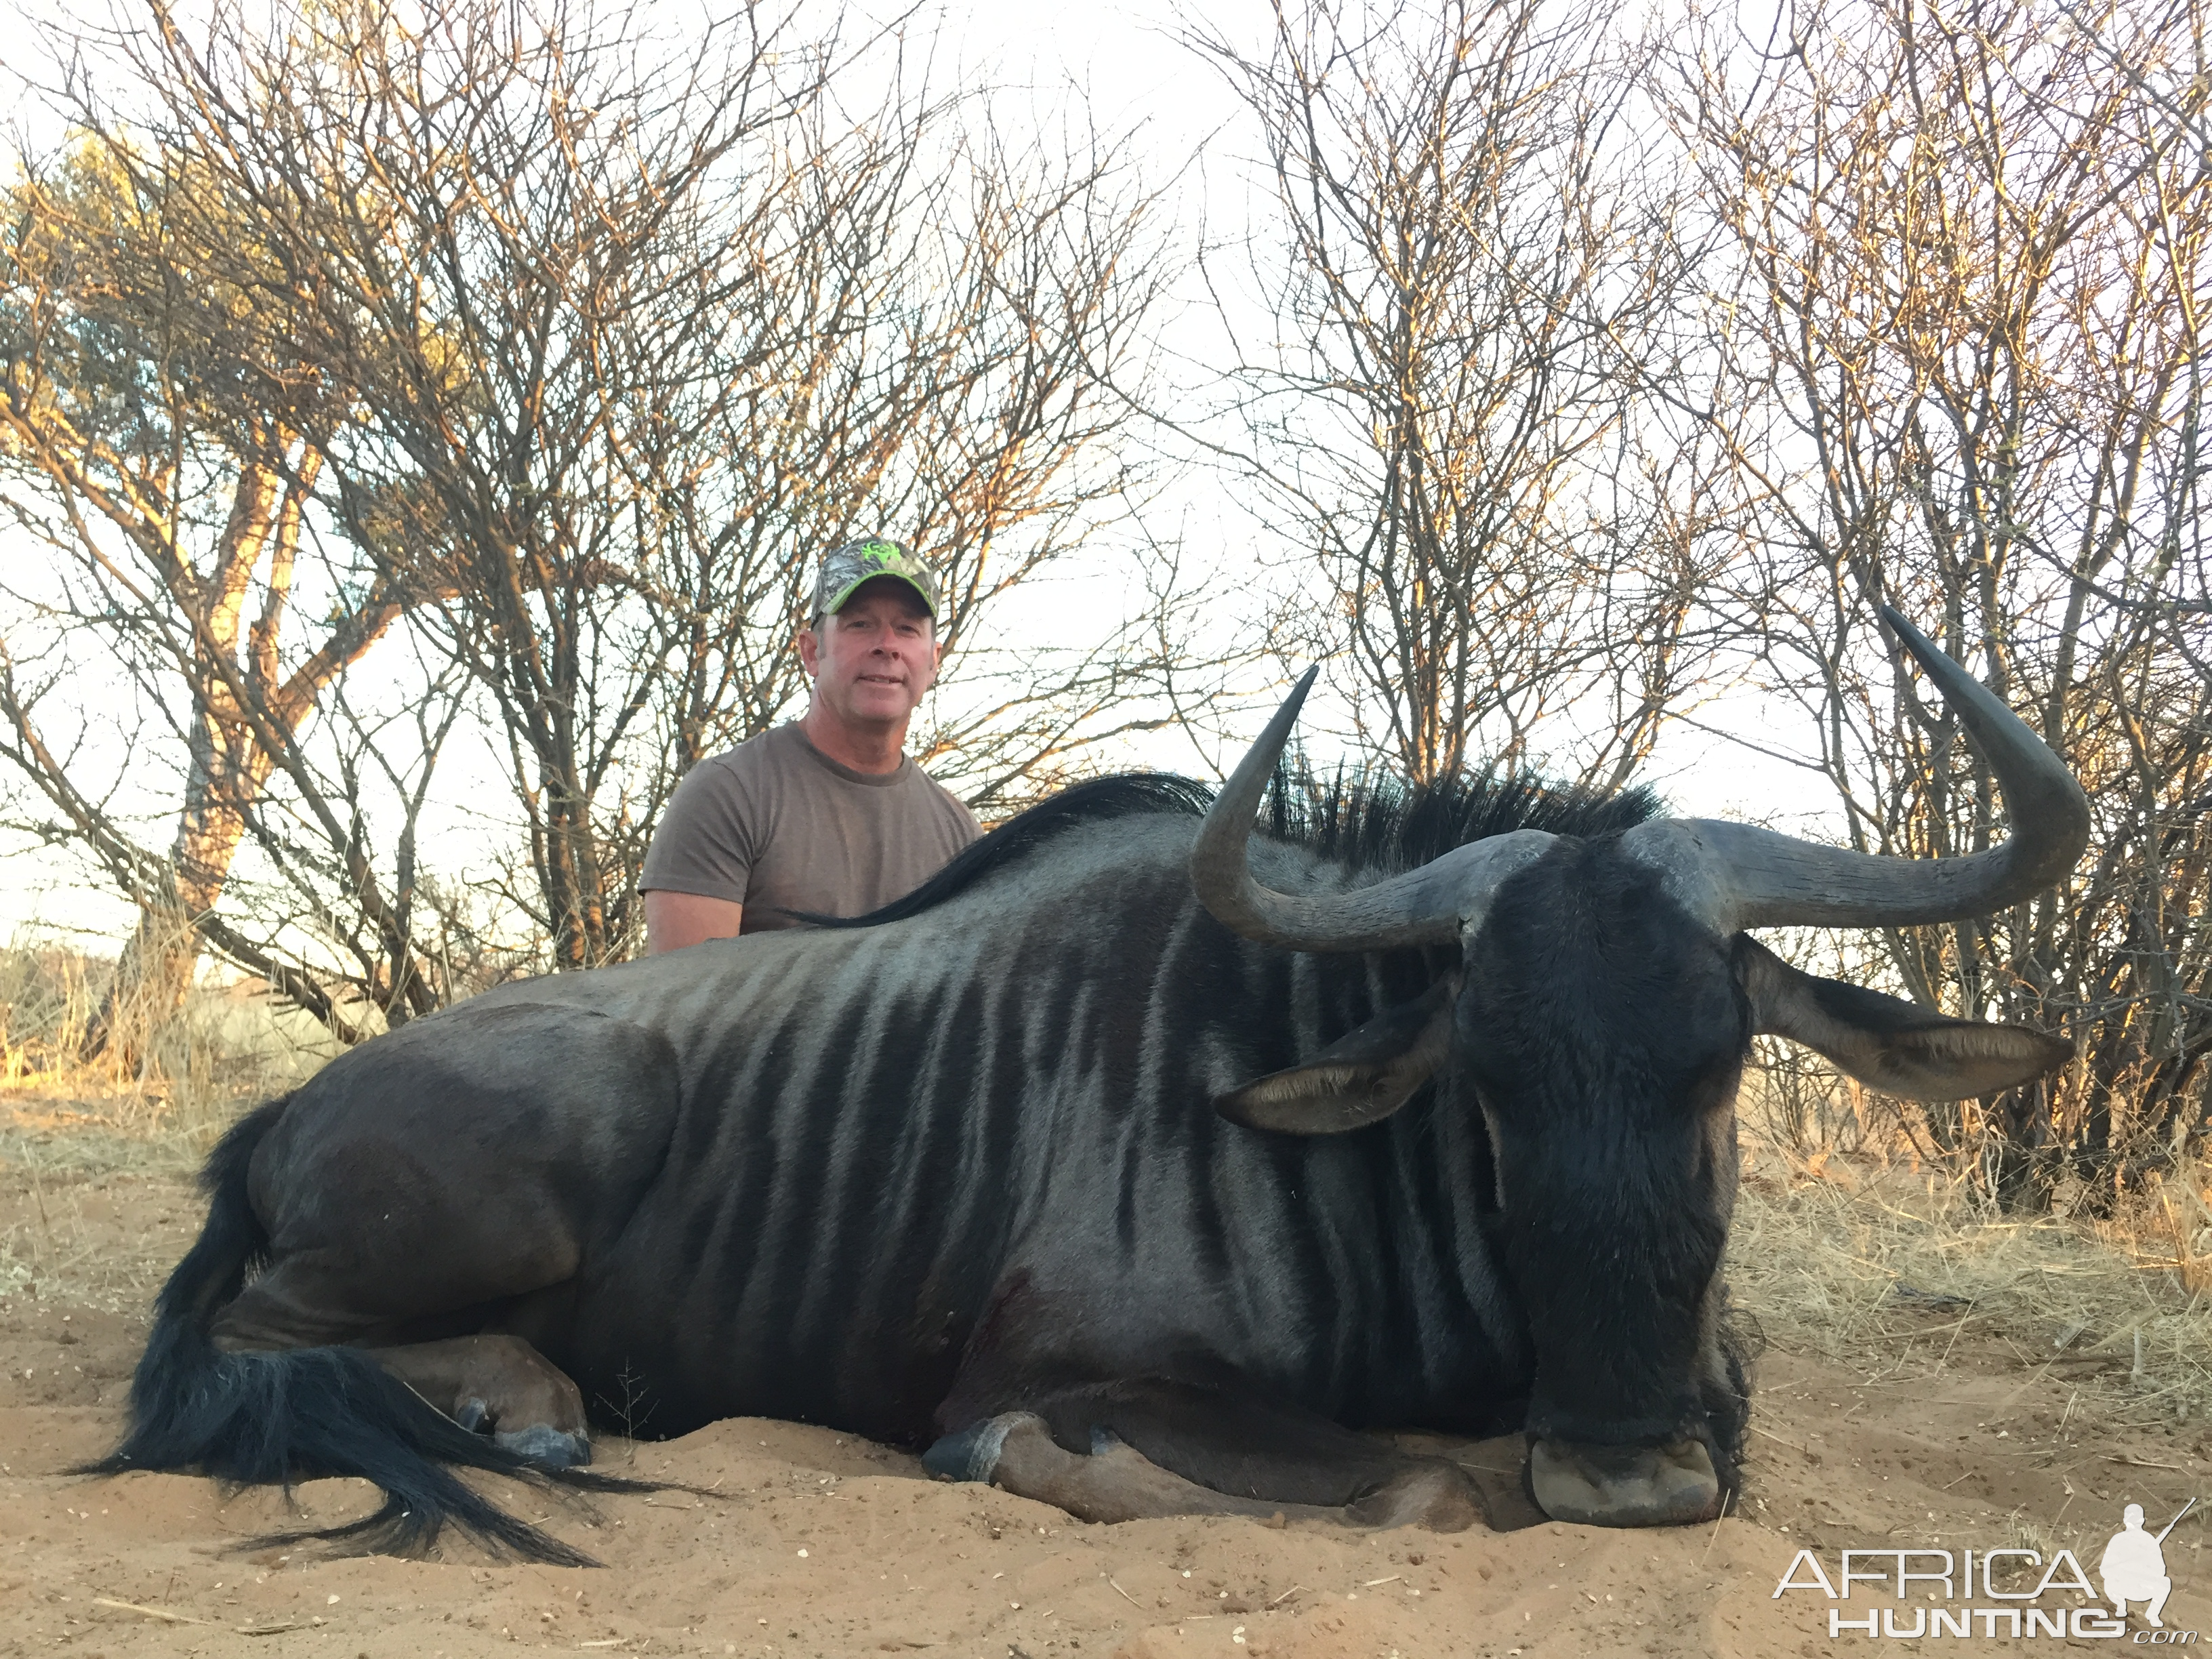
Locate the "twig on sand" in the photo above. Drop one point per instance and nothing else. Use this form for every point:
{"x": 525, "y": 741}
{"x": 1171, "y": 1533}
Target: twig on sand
{"x": 38, "y": 1192}
{"x": 1953, "y": 1342}
{"x": 269, "y": 1629}
{"x": 1286, "y": 1596}
{"x": 1125, "y": 1595}
{"x": 1716, "y": 1537}
{"x": 2004, "y": 1404}
{"x": 161, "y": 1614}
{"x": 2133, "y": 1461}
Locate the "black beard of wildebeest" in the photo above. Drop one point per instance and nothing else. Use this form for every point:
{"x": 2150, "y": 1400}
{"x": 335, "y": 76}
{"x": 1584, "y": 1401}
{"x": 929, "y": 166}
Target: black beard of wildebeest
{"x": 1127, "y": 1165}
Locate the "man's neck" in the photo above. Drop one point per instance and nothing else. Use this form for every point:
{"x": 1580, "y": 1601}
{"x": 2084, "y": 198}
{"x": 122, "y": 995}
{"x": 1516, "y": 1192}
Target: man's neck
{"x": 872, "y": 748}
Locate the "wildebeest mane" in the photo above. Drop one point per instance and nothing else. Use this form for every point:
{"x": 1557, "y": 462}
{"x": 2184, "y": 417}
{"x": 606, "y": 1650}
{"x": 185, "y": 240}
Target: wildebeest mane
{"x": 1125, "y": 794}
{"x": 1366, "y": 820}
{"x": 1373, "y": 821}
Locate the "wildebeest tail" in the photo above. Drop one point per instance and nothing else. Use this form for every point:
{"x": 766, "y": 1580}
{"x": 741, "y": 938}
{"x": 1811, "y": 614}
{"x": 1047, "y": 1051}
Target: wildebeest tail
{"x": 303, "y": 1413}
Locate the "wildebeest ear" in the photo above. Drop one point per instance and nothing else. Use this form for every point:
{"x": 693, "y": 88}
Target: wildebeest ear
{"x": 1887, "y": 1044}
{"x": 1364, "y": 1076}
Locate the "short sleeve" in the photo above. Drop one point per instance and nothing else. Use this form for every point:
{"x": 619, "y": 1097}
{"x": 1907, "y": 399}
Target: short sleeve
{"x": 958, "y": 818}
{"x": 707, "y": 841}
{"x": 965, "y": 827}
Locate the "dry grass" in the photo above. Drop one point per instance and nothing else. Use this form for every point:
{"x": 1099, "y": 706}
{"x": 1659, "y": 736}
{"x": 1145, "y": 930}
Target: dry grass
{"x": 67, "y": 1123}
{"x": 1866, "y": 1256}
{"x": 188, "y": 1078}
{"x": 65, "y": 1246}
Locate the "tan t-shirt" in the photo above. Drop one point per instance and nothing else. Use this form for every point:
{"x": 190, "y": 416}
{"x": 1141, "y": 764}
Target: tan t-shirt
{"x": 776, "y": 824}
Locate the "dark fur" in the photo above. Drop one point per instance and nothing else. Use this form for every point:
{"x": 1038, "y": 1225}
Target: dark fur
{"x": 270, "y": 1419}
{"x": 902, "y": 1178}
{"x": 1374, "y": 821}
{"x": 1366, "y": 822}
{"x": 1604, "y": 1028}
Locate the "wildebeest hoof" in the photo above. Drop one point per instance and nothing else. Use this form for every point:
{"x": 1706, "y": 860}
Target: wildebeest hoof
{"x": 544, "y": 1447}
{"x": 470, "y": 1414}
{"x": 973, "y": 1452}
{"x": 1625, "y": 1485}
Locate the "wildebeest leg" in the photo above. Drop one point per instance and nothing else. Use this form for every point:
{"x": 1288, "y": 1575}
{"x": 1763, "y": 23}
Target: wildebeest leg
{"x": 432, "y": 1196}
{"x": 501, "y": 1385}
{"x": 493, "y": 1383}
{"x": 1149, "y": 1448}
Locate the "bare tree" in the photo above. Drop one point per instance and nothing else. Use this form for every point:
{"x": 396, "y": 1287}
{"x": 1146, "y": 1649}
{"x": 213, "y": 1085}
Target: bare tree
{"x": 949, "y": 349}
{"x": 1963, "y": 375}
{"x": 608, "y": 344}
{"x": 184, "y": 580}
{"x": 1477, "y": 277}
{"x": 491, "y": 234}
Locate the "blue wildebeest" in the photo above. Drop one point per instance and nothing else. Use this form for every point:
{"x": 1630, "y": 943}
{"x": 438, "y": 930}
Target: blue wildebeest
{"x": 1136, "y": 1168}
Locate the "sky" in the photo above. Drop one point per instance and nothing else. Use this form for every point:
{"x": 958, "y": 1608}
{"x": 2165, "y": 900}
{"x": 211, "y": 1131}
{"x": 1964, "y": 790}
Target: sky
{"x": 1125, "y": 58}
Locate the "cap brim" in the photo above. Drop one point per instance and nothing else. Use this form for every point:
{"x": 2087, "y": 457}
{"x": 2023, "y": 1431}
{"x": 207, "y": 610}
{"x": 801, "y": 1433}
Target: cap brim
{"x": 836, "y": 601}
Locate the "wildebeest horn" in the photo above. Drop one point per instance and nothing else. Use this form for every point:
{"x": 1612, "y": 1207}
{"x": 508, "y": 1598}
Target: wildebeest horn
{"x": 1732, "y": 876}
{"x": 1737, "y": 875}
{"x": 1421, "y": 907}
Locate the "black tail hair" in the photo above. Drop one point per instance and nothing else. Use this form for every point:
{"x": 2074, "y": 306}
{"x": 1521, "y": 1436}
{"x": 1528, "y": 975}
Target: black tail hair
{"x": 302, "y": 1413}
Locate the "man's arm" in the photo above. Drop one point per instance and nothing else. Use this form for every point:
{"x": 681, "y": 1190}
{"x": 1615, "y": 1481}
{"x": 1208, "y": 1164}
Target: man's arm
{"x": 673, "y": 920}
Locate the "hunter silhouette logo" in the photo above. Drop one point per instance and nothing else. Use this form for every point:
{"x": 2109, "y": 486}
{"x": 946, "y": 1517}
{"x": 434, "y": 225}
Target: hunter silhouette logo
{"x": 2006, "y": 1592}
{"x": 2133, "y": 1565}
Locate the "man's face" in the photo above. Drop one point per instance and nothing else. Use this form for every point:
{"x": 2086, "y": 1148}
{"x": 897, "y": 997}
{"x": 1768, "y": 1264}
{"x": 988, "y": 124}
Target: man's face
{"x": 873, "y": 661}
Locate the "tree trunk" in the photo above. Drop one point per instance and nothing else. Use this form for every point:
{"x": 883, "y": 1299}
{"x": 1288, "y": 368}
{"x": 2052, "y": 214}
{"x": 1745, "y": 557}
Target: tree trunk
{"x": 2020, "y": 1160}
{"x": 154, "y": 974}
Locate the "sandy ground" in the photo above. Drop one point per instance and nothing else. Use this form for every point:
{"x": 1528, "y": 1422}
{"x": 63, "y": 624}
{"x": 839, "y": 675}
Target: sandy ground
{"x": 815, "y": 1544}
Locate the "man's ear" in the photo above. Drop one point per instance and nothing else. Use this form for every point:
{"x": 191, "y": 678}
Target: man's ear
{"x": 1360, "y": 1078}
{"x": 810, "y": 652}
{"x": 1896, "y": 1047}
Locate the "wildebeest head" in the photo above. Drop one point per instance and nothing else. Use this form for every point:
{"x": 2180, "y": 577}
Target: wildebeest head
{"x": 1604, "y": 1003}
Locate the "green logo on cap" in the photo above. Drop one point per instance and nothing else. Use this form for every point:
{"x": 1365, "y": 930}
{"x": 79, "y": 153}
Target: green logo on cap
{"x": 844, "y": 568}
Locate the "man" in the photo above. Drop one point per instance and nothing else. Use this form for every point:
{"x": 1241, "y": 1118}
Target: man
{"x": 2133, "y": 1568}
{"x": 827, "y": 814}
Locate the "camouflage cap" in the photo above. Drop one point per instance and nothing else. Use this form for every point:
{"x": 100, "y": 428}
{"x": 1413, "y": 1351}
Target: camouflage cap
{"x": 844, "y": 568}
